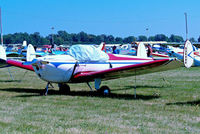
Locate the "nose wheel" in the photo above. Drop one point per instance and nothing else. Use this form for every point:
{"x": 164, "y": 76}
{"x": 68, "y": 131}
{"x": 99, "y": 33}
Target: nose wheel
{"x": 104, "y": 90}
{"x": 64, "y": 88}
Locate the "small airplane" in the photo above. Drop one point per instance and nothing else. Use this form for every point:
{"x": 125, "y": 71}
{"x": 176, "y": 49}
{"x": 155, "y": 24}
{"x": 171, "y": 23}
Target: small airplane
{"x": 85, "y": 63}
{"x": 179, "y": 53}
{"x": 46, "y": 50}
{"x": 15, "y": 54}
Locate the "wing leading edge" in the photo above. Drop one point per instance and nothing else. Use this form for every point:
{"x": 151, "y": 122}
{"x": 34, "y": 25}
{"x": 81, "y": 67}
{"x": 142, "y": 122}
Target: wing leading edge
{"x": 19, "y": 64}
{"x": 127, "y": 71}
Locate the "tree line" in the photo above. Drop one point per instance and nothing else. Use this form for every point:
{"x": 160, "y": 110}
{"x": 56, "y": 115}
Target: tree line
{"x": 62, "y": 37}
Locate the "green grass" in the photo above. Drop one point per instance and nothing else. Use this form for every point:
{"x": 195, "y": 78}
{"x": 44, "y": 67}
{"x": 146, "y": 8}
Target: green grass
{"x": 169, "y": 105}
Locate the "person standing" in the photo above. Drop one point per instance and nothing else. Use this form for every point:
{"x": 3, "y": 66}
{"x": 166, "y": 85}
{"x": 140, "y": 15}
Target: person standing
{"x": 149, "y": 51}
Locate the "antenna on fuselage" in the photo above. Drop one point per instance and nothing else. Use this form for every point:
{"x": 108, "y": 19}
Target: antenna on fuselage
{"x": 1, "y": 28}
{"x": 186, "y": 27}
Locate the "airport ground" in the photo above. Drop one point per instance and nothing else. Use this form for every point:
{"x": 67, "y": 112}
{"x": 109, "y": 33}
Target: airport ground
{"x": 167, "y": 102}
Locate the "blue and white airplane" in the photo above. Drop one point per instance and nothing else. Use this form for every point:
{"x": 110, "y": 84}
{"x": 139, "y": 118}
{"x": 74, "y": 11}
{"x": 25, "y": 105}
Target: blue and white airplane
{"x": 179, "y": 53}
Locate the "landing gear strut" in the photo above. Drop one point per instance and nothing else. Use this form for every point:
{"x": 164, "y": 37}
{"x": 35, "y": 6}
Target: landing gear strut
{"x": 64, "y": 88}
{"x": 47, "y": 88}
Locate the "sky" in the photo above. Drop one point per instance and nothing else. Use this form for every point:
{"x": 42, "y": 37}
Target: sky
{"x": 120, "y": 18}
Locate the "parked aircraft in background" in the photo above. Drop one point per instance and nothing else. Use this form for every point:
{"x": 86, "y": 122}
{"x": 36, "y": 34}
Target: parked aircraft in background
{"x": 179, "y": 53}
{"x": 44, "y": 50}
{"x": 85, "y": 63}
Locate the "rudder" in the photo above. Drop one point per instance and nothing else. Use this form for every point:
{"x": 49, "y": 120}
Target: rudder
{"x": 188, "y": 54}
{"x": 141, "y": 51}
{"x": 30, "y": 55}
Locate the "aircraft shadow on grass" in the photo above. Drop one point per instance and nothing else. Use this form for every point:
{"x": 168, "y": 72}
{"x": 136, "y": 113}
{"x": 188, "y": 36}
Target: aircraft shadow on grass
{"x": 10, "y": 80}
{"x": 192, "y": 103}
{"x": 37, "y": 92}
{"x": 143, "y": 86}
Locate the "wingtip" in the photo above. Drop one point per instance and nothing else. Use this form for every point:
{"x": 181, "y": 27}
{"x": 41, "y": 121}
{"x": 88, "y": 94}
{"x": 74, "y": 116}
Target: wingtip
{"x": 3, "y": 63}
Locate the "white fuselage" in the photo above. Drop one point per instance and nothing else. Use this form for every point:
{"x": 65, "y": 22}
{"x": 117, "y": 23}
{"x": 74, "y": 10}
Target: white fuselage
{"x": 60, "y": 68}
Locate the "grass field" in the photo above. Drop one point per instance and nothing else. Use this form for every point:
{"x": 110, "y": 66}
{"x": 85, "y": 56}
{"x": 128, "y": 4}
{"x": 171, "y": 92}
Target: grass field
{"x": 166, "y": 102}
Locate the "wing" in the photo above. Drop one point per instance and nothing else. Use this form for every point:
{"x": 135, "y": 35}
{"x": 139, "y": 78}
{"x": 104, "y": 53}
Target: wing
{"x": 4, "y": 62}
{"x": 12, "y": 54}
{"x": 16, "y": 64}
{"x": 127, "y": 71}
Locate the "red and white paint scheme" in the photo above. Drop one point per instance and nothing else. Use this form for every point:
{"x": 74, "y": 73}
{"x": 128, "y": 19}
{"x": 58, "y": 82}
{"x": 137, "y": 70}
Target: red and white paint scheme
{"x": 63, "y": 69}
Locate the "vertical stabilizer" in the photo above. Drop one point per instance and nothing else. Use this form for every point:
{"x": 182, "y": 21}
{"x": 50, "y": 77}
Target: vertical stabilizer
{"x": 30, "y": 55}
{"x": 141, "y": 51}
{"x": 188, "y": 54}
{"x": 102, "y": 46}
{"x": 24, "y": 43}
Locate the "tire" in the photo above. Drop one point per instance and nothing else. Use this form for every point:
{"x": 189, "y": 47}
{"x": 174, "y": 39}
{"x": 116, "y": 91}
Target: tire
{"x": 104, "y": 90}
{"x": 64, "y": 88}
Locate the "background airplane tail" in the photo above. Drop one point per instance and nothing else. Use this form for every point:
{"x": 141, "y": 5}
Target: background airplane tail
{"x": 24, "y": 43}
{"x": 2, "y": 53}
{"x": 3, "y": 57}
{"x": 188, "y": 54}
{"x": 141, "y": 51}
{"x": 102, "y": 46}
{"x": 30, "y": 55}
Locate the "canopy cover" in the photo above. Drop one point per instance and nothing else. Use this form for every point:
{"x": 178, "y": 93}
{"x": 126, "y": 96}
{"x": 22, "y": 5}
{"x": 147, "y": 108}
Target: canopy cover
{"x": 87, "y": 53}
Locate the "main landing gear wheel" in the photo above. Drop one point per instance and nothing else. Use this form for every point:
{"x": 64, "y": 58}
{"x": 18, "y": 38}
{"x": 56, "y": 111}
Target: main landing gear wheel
{"x": 104, "y": 90}
{"x": 64, "y": 88}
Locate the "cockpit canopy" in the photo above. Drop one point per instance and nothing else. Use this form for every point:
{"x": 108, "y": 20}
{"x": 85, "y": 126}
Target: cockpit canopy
{"x": 87, "y": 53}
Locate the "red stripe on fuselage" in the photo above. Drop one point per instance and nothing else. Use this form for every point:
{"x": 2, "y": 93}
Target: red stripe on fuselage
{"x": 113, "y": 57}
{"x": 129, "y": 67}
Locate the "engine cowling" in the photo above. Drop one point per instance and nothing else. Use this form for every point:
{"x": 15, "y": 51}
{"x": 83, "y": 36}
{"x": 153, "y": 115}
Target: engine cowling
{"x": 55, "y": 71}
